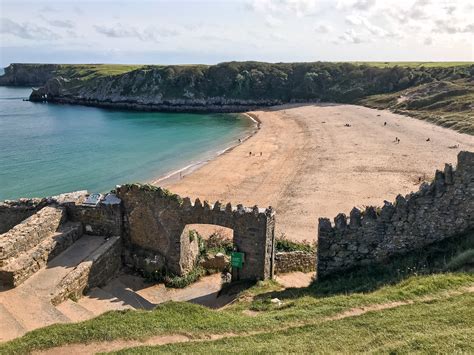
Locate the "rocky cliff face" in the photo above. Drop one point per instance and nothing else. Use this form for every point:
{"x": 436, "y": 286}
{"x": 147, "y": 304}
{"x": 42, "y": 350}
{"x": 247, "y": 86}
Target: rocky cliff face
{"x": 28, "y": 74}
{"x": 234, "y": 86}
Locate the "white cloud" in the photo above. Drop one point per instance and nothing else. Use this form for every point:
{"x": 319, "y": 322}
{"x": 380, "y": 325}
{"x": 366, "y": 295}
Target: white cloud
{"x": 450, "y": 27}
{"x": 323, "y": 28}
{"x": 147, "y": 34}
{"x": 26, "y": 30}
{"x": 361, "y": 5}
{"x": 351, "y": 36}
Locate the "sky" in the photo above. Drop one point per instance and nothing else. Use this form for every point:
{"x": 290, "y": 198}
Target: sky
{"x": 194, "y": 31}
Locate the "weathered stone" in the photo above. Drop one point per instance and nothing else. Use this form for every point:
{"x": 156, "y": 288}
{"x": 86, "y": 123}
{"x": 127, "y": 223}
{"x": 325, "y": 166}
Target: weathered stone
{"x": 294, "y": 261}
{"x": 154, "y": 223}
{"x": 218, "y": 262}
{"x": 440, "y": 210}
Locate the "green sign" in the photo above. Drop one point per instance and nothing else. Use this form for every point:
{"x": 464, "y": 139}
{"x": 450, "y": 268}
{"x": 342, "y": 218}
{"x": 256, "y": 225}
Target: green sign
{"x": 237, "y": 259}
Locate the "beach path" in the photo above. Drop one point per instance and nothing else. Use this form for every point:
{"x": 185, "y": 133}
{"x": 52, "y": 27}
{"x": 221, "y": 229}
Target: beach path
{"x": 319, "y": 160}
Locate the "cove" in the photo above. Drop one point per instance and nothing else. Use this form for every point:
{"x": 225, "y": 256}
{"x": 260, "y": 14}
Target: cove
{"x": 47, "y": 149}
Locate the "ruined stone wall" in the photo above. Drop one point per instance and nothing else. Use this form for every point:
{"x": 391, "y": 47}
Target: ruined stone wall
{"x": 95, "y": 271}
{"x": 154, "y": 221}
{"x": 103, "y": 219}
{"x": 30, "y": 232}
{"x": 13, "y": 212}
{"x": 292, "y": 261}
{"x": 440, "y": 210}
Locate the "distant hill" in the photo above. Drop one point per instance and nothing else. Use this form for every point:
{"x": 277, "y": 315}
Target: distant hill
{"x": 241, "y": 86}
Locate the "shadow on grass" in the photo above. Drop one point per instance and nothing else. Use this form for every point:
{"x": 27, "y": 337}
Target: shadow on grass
{"x": 430, "y": 260}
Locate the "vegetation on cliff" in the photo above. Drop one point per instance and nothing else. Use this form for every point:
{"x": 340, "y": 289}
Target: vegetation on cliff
{"x": 439, "y": 92}
{"x": 445, "y": 103}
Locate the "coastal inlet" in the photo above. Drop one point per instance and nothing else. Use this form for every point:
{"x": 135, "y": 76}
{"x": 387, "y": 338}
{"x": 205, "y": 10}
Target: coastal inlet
{"x": 48, "y": 149}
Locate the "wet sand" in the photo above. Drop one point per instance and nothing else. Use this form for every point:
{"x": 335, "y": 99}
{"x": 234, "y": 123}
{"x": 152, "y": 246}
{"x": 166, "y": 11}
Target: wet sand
{"x": 307, "y": 164}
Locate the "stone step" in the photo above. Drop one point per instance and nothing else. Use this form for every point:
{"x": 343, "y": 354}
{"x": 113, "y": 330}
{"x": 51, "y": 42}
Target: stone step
{"x": 20, "y": 268}
{"x": 30, "y": 232}
{"x": 74, "y": 311}
{"x": 93, "y": 271}
{"x": 9, "y": 326}
{"x": 127, "y": 295}
{"x": 31, "y": 311}
{"x": 46, "y": 281}
{"x": 99, "y": 301}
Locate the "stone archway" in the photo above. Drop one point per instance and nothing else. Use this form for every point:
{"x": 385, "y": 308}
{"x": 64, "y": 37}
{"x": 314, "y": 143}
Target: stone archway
{"x": 146, "y": 207}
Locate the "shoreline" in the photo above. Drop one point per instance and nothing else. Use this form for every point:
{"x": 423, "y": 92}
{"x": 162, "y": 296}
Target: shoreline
{"x": 175, "y": 176}
{"x": 319, "y": 160}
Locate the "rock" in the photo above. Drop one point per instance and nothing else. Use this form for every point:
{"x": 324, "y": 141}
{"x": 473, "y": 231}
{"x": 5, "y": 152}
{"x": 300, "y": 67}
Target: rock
{"x": 216, "y": 262}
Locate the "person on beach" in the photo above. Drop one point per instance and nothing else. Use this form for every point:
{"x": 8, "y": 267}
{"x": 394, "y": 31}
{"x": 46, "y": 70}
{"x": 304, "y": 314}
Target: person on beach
{"x": 250, "y": 154}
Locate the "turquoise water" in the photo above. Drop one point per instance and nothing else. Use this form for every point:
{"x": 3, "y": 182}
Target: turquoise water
{"x": 47, "y": 149}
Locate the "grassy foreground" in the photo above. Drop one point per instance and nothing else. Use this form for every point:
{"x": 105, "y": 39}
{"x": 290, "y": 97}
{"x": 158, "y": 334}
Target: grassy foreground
{"x": 305, "y": 309}
{"x": 440, "y": 326}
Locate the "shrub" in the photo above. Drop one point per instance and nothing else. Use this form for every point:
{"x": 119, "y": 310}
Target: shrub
{"x": 460, "y": 261}
{"x": 217, "y": 243}
{"x": 283, "y": 244}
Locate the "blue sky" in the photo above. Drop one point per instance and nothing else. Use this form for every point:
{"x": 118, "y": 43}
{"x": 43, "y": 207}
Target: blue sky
{"x": 165, "y": 32}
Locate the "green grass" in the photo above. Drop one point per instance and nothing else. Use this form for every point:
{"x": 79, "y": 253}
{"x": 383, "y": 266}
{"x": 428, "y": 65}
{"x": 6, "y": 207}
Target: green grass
{"x": 439, "y": 326}
{"x": 194, "y": 320}
{"x": 410, "y": 278}
{"x": 91, "y": 71}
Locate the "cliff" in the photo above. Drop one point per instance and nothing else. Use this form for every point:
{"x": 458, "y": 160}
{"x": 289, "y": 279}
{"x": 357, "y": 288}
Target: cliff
{"x": 233, "y": 86}
{"x": 28, "y": 74}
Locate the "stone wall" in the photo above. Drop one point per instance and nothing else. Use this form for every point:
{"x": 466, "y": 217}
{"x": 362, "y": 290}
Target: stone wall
{"x": 16, "y": 270}
{"x": 104, "y": 219}
{"x": 30, "y": 232}
{"x": 440, "y": 210}
{"x": 13, "y": 212}
{"x": 292, "y": 261}
{"x": 95, "y": 271}
{"x": 154, "y": 221}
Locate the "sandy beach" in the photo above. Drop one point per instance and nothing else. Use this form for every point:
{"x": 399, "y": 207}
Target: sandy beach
{"x": 312, "y": 161}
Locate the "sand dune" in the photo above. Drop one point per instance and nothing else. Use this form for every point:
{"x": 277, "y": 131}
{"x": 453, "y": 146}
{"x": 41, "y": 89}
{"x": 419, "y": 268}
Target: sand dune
{"x": 313, "y": 165}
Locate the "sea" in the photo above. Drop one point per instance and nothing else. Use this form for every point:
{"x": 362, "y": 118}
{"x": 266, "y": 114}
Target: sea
{"x": 47, "y": 149}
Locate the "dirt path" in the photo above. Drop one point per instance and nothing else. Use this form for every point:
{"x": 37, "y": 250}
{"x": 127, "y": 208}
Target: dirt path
{"x": 313, "y": 165}
{"x": 115, "y": 345}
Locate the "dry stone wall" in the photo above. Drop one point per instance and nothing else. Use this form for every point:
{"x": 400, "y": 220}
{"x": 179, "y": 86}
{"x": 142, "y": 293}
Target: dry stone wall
{"x": 440, "y": 210}
{"x": 13, "y": 212}
{"x": 292, "y": 261}
{"x": 95, "y": 271}
{"x": 30, "y": 232}
{"x": 154, "y": 221}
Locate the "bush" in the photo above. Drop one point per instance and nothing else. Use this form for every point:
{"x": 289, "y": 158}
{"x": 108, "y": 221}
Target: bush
{"x": 175, "y": 281}
{"x": 283, "y": 244}
{"x": 217, "y": 243}
{"x": 460, "y": 261}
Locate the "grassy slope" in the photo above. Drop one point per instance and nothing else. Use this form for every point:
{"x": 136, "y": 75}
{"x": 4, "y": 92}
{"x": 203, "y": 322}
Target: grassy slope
{"x": 439, "y": 326}
{"x": 90, "y": 71}
{"x": 196, "y": 321}
{"x": 448, "y": 104}
{"x": 309, "y": 306}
